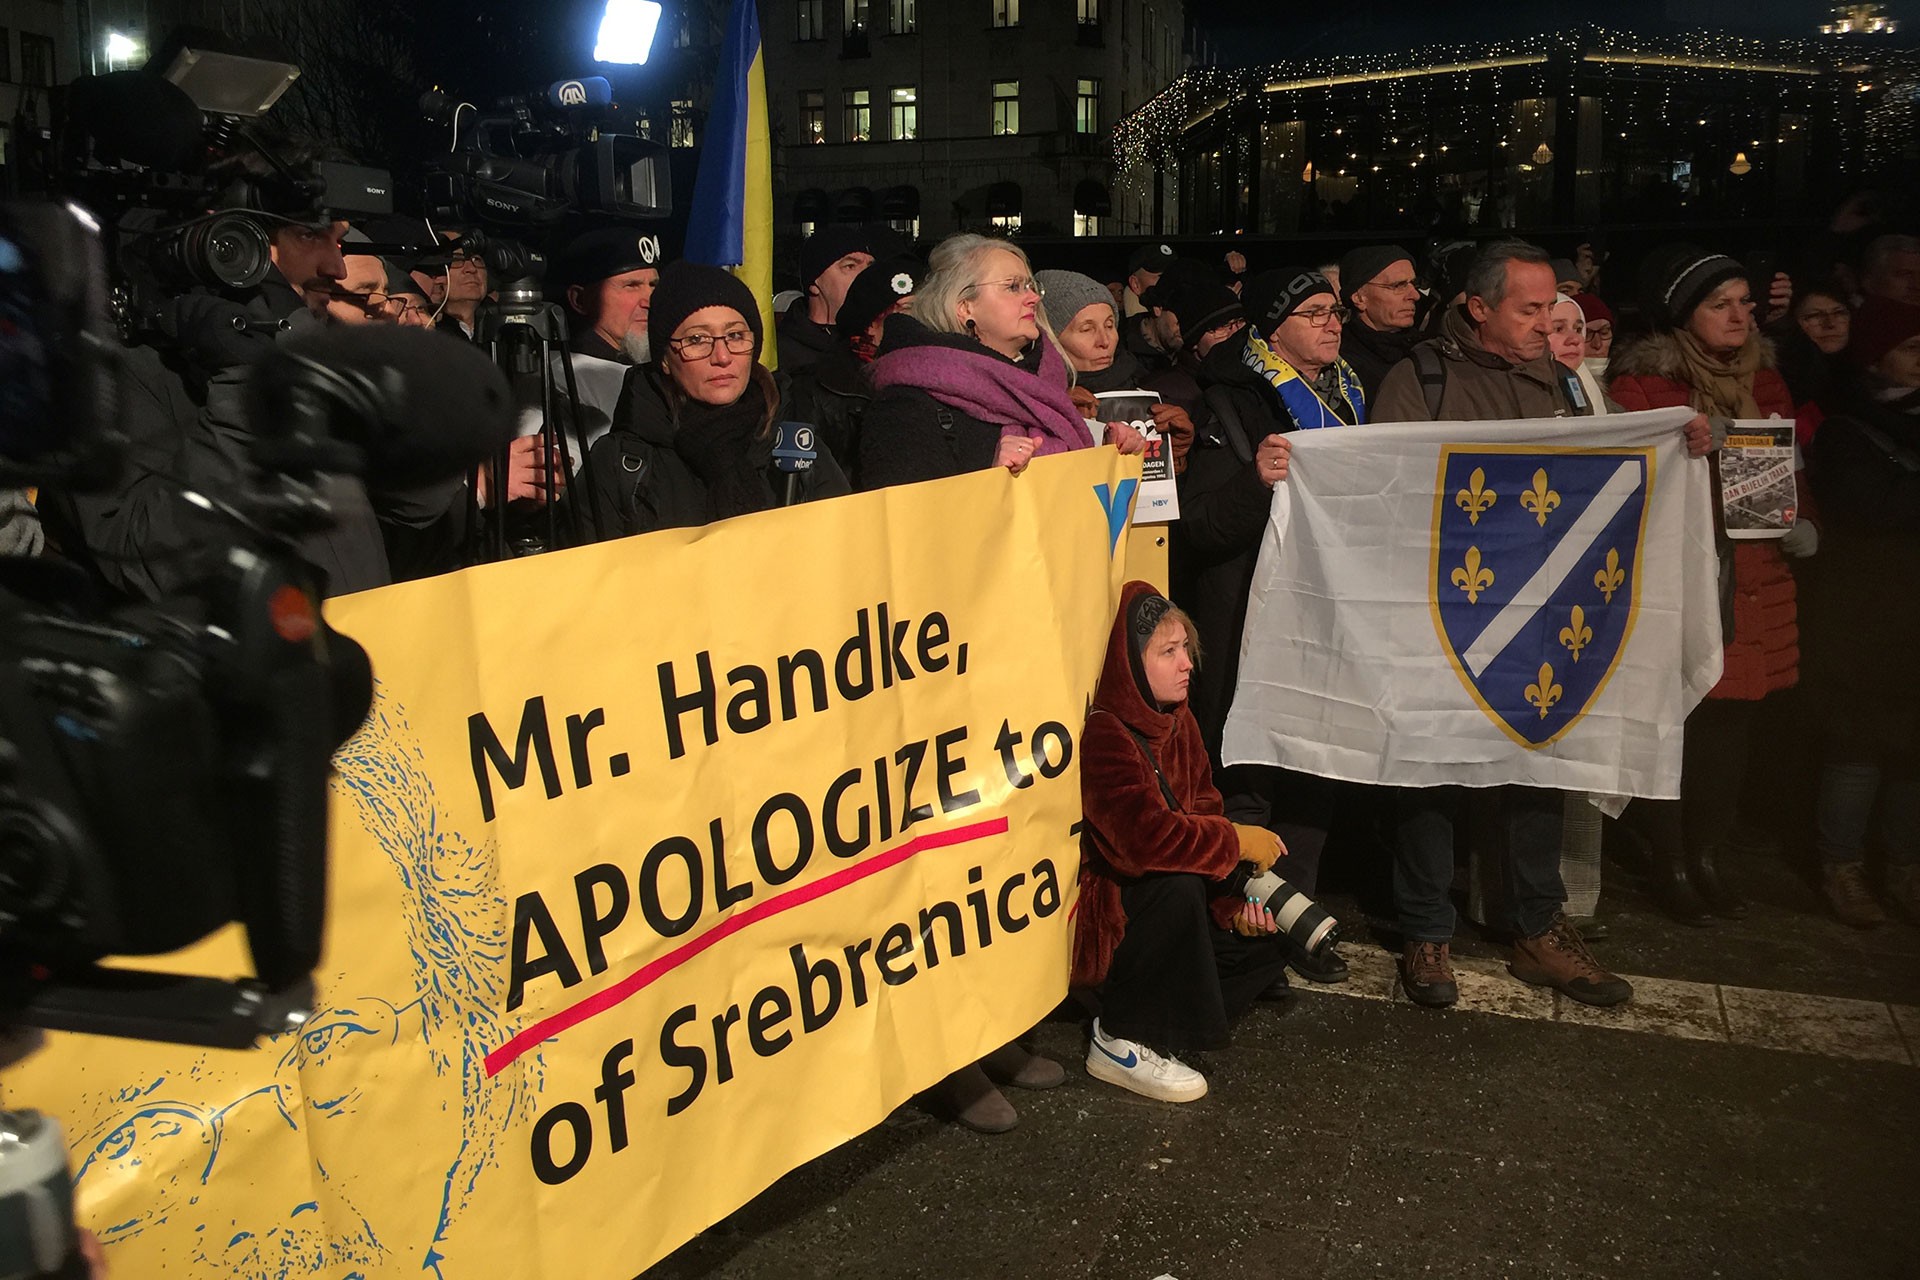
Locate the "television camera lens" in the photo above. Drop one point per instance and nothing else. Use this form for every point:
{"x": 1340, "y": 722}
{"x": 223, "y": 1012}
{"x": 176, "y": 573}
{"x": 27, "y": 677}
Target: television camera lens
{"x": 228, "y": 251}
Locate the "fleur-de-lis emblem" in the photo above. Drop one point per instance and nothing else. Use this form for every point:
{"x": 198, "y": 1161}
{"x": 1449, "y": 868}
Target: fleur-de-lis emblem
{"x": 1539, "y": 499}
{"x": 1472, "y": 577}
{"x": 1476, "y": 497}
{"x": 1544, "y": 694}
{"x": 1609, "y": 578}
{"x": 1578, "y": 635}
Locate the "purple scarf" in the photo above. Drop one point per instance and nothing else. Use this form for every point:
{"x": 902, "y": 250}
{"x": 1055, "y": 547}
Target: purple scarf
{"x": 986, "y": 386}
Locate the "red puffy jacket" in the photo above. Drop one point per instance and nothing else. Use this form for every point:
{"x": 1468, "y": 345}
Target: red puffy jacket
{"x": 1763, "y": 653}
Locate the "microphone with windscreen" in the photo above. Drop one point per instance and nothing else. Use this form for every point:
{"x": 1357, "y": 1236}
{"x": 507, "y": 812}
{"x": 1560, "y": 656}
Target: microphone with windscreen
{"x": 137, "y": 117}
{"x": 415, "y": 405}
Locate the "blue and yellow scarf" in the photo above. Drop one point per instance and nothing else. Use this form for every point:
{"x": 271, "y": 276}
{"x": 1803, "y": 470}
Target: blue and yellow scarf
{"x": 1303, "y": 403}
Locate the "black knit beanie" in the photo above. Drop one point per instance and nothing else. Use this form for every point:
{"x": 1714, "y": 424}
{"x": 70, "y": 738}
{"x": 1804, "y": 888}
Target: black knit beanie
{"x": 1679, "y": 278}
{"x": 684, "y": 288}
{"x": 1272, "y": 296}
{"x": 876, "y": 288}
{"x": 1361, "y": 265}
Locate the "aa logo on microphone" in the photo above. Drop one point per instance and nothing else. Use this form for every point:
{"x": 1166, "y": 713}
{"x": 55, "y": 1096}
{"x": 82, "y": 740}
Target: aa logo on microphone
{"x": 570, "y": 93}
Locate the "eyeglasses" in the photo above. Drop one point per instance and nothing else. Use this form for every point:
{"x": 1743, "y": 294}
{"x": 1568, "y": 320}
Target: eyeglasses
{"x": 699, "y": 346}
{"x": 1396, "y": 286}
{"x": 1834, "y": 316}
{"x": 1320, "y": 317}
{"x": 1015, "y": 285}
{"x": 392, "y": 306}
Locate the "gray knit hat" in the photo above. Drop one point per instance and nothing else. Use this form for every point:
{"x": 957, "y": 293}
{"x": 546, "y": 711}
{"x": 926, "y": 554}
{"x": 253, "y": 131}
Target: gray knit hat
{"x": 1065, "y": 294}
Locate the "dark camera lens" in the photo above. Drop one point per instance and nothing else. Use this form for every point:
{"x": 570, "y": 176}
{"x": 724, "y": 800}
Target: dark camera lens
{"x": 229, "y": 251}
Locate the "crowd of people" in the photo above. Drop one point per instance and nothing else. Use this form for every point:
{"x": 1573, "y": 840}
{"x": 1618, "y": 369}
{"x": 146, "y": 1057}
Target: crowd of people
{"x": 971, "y": 359}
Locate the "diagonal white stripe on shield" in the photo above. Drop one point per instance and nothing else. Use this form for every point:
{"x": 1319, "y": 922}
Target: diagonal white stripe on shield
{"x": 1559, "y": 563}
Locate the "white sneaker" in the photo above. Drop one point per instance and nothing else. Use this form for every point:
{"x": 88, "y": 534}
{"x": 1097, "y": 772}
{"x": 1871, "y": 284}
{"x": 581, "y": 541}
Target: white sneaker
{"x": 1132, "y": 1065}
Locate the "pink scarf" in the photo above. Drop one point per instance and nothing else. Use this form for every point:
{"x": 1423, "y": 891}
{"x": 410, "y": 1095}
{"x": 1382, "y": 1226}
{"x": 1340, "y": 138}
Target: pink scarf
{"x": 986, "y": 386}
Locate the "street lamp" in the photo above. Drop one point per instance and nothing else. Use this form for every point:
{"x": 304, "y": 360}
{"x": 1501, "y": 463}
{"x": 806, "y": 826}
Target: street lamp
{"x": 626, "y": 32}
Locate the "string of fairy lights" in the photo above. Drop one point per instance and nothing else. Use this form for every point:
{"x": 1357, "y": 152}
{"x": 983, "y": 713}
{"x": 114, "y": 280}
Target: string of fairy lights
{"x": 1856, "y": 95}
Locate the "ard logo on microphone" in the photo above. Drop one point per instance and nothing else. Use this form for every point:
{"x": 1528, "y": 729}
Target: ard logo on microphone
{"x": 570, "y": 93}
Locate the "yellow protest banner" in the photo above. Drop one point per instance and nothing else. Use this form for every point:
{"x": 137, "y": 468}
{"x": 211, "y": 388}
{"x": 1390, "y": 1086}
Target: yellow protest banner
{"x": 659, "y": 868}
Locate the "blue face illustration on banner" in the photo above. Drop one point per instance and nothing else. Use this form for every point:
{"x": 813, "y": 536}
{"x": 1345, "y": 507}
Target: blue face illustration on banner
{"x": 1535, "y": 579}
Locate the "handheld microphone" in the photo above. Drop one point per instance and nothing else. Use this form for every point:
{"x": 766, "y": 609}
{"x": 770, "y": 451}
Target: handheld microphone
{"x": 422, "y": 405}
{"x": 794, "y": 451}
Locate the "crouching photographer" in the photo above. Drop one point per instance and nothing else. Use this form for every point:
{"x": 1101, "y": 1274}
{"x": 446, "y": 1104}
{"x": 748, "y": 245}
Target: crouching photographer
{"x": 1181, "y": 923}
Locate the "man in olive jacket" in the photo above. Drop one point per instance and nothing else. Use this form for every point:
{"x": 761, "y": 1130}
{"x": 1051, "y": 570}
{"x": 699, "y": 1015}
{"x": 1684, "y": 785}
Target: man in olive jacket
{"x": 1490, "y": 362}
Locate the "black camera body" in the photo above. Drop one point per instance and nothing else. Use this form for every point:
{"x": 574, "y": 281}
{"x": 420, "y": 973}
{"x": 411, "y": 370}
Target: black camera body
{"x": 186, "y": 198}
{"x": 537, "y": 157}
{"x": 163, "y": 767}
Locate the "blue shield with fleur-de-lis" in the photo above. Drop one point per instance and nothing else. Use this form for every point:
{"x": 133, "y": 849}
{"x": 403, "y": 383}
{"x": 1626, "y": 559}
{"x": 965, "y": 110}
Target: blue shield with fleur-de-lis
{"x": 1536, "y": 557}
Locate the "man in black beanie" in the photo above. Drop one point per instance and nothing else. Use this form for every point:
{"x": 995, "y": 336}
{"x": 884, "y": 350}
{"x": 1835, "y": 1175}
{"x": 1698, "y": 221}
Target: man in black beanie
{"x": 1381, "y": 289}
{"x": 830, "y": 259}
{"x": 833, "y": 392}
{"x": 605, "y": 280}
{"x": 1153, "y": 336}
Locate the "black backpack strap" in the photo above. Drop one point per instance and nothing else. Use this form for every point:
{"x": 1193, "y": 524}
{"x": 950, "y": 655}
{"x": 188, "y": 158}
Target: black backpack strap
{"x": 1146, "y": 749}
{"x": 1232, "y": 430}
{"x": 1431, "y": 368}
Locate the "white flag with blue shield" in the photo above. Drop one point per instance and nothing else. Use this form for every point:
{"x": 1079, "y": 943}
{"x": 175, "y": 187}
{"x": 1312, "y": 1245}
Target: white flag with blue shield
{"x": 1483, "y": 603}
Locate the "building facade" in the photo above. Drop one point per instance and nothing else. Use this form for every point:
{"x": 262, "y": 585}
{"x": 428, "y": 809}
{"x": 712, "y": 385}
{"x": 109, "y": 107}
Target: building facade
{"x": 1574, "y": 129}
{"x": 936, "y": 116}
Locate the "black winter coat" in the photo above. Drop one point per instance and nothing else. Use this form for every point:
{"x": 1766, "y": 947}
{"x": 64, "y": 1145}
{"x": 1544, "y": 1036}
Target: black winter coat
{"x": 909, "y": 436}
{"x": 642, "y": 484}
{"x": 833, "y": 394}
{"x": 1223, "y": 515}
{"x": 1372, "y": 353}
{"x": 802, "y": 342}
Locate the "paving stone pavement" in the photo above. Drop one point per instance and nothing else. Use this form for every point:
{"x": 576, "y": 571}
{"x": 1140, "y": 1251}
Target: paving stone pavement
{"x": 1754, "y": 1113}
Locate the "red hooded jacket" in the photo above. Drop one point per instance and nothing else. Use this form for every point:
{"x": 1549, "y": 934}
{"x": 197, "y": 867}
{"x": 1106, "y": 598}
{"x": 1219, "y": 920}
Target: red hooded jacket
{"x": 1130, "y": 829}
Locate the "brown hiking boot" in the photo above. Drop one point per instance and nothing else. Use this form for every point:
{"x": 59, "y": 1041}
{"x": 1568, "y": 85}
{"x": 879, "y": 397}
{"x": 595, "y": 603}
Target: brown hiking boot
{"x": 1847, "y": 893}
{"x": 1426, "y": 973}
{"x": 1559, "y": 959}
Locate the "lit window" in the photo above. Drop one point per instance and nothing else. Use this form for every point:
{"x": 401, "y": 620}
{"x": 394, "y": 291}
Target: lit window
{"x": 900, "y": 17}
{"x": 1006, "y": 106}
{"x": 1089, "y": 13}
{"x": 1006, "y": 13}
{"x": 681, "y": 133}
{"x": 1085, "y": 224}
{"x": 1086, "y": 113}
{"x": 813, "y": 20}
{"x": 904, "y": 108}
{"x": 856, "y": 11}
{"x": 1007, "y": 222}
{"x": 856, "y": 115}
{"x": 813, "y": 115}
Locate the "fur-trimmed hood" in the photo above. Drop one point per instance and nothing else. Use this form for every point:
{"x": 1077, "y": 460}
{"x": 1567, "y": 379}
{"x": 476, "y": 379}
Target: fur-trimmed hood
{"x": 1658, "y": 355}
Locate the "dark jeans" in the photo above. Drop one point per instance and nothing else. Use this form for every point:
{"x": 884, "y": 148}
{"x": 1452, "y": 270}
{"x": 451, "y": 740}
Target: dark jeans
{"x": 1297, "y": 807}
{"x": 1177, "y": 979}
{"x": 1527, "y": 845}
{"x": 1713, "y": 770}
{"x": 1873, "y": 754}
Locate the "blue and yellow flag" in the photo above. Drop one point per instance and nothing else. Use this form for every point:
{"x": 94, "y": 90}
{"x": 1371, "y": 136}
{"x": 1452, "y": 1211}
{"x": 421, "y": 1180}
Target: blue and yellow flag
{"x": 731, "y": 221}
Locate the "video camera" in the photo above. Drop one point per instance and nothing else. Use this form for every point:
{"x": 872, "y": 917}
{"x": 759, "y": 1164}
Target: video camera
{"x": 187, "y": 192}
{"x": 539, "y": 156}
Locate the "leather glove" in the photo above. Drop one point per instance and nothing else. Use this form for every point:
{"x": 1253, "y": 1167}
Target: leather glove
{"x": 1177, "y": 428}
{"x": 1802, "y": 540}
{"x": 1258, "y": 845}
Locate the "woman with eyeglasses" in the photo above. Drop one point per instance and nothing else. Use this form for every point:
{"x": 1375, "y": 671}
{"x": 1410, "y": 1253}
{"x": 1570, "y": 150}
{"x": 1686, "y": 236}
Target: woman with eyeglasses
{"x": 972, "y": 378}
{"x": 1812, "y": 343}
{"x": 693, "y": 433}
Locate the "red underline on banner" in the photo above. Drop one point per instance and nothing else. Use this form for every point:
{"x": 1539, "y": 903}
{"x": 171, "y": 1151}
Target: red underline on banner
{"x": 637, "y": 981}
